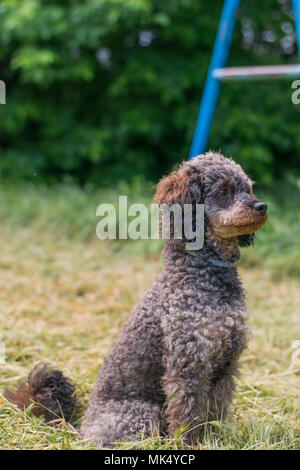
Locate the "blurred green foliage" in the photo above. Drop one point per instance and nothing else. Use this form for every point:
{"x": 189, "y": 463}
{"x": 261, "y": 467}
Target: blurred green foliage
{"x": 103, "y": 90}
{"x": 68, "y": 211}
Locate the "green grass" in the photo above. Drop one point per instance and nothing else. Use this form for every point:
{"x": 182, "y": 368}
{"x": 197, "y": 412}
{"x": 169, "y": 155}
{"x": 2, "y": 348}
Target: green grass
{"x": 64, "y": 296}
{"x": 70, "y": 212}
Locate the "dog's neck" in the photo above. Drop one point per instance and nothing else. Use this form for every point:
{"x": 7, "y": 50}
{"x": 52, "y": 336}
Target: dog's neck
{"x": 224, "y": 248}
{"x": 222, "y": 252}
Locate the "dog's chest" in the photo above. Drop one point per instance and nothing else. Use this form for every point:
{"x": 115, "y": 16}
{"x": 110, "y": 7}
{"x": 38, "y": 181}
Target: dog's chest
{"x": 220, "y": 298}
{"x": 210, "y": 314}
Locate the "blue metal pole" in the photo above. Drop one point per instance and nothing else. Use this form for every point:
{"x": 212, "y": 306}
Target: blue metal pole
{"x": 211, "y": 88}
{"x": 296, "y": 8}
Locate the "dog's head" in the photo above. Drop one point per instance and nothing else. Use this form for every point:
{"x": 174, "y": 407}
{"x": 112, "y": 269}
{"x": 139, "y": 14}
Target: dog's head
{"x": 230, "y": 207}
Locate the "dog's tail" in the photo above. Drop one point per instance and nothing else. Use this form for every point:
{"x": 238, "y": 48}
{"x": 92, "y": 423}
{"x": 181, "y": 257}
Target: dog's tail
{"x": 51, "y": 392}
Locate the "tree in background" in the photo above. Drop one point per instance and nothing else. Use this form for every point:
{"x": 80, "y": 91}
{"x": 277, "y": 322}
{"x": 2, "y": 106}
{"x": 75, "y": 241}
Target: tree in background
{"x": 104, "y": 90}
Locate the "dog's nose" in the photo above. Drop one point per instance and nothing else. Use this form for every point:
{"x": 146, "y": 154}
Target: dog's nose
{"x": 261, "y": 207}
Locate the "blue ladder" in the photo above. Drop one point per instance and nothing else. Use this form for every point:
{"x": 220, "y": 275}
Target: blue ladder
{"x": 218, "y": 72}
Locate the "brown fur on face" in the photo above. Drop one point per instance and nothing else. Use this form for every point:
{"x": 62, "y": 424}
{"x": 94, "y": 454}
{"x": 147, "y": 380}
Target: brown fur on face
{"x": 172, "y": 189}
{"x": 240, "y": 220}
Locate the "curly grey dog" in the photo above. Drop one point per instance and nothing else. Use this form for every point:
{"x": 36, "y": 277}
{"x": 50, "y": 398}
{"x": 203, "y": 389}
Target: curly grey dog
{"x": 176, "y": 357}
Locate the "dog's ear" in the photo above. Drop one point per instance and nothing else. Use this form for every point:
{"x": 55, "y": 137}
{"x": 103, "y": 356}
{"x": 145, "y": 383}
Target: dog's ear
{"x": 179, "y": 187}
{"x": 246, "y": 240}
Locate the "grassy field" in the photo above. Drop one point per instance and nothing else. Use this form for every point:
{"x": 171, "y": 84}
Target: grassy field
{"x": 64, "y": 296}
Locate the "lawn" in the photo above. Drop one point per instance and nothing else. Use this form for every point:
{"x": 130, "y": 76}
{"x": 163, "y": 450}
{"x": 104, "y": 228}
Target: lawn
{"x": 64, "y": 296}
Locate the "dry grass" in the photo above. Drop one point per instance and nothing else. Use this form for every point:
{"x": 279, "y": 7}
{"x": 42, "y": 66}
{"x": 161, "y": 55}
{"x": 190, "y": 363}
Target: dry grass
{"x": 64, "y": 300}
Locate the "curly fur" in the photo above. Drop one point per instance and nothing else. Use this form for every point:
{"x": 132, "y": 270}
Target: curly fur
{"x": 176, "y": 357}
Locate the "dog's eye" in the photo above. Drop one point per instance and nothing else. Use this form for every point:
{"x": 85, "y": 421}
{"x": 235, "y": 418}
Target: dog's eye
{"x": 222, "y": 192}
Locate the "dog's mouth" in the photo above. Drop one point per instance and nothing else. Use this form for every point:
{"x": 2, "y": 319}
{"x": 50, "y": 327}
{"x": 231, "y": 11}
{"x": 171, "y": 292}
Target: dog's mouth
{"x": 237, "y": 222}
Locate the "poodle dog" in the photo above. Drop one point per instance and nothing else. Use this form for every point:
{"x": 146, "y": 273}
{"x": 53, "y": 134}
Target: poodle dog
{"x": 177, "y": 354}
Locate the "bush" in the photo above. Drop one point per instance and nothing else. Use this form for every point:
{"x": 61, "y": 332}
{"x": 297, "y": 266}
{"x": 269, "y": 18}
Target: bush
{"x": 109, "y": 89}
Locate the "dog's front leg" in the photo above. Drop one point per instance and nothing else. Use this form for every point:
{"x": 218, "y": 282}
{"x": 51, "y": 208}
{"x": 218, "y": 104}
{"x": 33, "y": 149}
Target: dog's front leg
{"x": 186, "y": 384}
{"x": 185, "y": 408}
